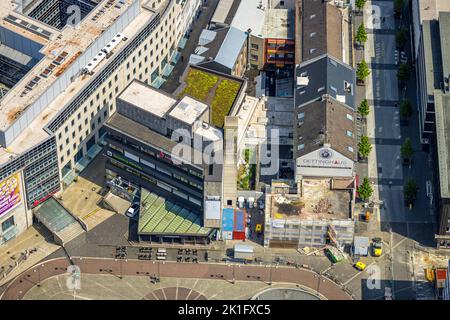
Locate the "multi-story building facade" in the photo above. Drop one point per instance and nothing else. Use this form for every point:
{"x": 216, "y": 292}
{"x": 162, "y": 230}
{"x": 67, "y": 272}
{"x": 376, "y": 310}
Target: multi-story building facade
{"x": 159, "y": 143}
{"x": 51, "y": 118}
{"x": 427, "y": 58}
{"x": 431, "y": 29}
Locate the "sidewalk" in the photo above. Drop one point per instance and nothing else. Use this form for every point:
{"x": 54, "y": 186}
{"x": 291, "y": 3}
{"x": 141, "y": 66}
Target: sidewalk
{"x": 83, "y": 197}
{"x": 11, "y": 263}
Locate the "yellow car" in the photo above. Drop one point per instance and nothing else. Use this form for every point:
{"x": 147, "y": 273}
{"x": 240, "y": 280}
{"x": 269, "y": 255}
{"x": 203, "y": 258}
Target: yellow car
{"x": 377, "y": 247}
{"x": 360, "y": 266}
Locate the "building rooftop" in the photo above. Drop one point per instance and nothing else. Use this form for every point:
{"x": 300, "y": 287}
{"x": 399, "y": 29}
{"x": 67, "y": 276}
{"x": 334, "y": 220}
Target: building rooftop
{"x": 220, "y": 91}
{"x": 325, "y": 75}
{"x": 188, "y": 110}
{"x": 160, "y": 216}
{"x": 231, "y": 47}
{"x": 442, "y": 111}
{"x": 34, "y": 130}
{"x": 429, "y": 9}
{"x": 320, "y": 30}
{"x": 444, "y": 27}
{"x": 326, "y": 122}
{"x": 432, "y": 56}
{"x": 69, "y": 42}
{"x": 251, "y": 15}
{"x": 279, "y": 24}
{"x": 147, "y": 98}
{"x": 318, "y": 201}
{"x": 225, "y": 11}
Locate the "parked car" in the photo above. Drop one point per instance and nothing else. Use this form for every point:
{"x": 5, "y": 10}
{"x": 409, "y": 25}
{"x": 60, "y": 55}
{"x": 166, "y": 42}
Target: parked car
{"x": 133, "y": 210}
{"x": 360, "y": 266}
{"x": 261, "y": 204}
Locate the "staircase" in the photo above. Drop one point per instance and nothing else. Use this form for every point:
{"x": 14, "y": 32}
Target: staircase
{"x": 70, "y": 232}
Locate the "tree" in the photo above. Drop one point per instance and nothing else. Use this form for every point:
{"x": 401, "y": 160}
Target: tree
{"x": 405, "y": 109}
{"x": 365, "y": 190}
{"x": 364, "y": 109}
{"x": 401, "y": 37}
{"x": 364, "y": 147}
{"x": 407, "y": 149}
{"x": 363, "y": 70}
{"x": 360, "y": 4}
{"x": 398, "y": 6}
{"x": 410, "y": 191}
{"x": 404, "y": 72}
{"x": 361, "y": 34}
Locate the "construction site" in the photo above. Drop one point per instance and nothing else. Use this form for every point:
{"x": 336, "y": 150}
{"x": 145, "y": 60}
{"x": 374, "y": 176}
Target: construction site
{"x": 316, "y": 213}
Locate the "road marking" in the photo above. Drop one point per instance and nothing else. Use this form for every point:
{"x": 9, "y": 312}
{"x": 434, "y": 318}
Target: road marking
{"x": 90, "y": 214}
{"x": 359, "y": 273}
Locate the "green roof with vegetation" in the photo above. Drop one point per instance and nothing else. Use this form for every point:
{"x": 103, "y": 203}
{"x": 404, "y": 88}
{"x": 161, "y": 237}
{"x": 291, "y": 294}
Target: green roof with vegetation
{"x": 214, "y": 90}
{"x": 159, "y": 216}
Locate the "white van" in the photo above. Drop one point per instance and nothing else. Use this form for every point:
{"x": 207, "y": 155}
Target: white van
{"x": 251, "y": 202}
{"x": 162, "y": 250}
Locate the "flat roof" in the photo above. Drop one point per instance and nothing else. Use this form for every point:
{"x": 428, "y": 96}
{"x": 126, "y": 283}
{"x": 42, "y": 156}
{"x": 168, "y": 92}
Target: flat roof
{"x": 429, "y": 9}
{"x": 318, "y": 201}
{"x": 442, "y": 112}
{"x": 147, "y": 98}
{"x": 188, "y": 110}
{"x": 279, "y": 24}
{"x": 35, "y": 132}
{"x": 222, "y": 10}
{"x": 71, "y": 41}
{"x": 159, "y": 216}
{"x": 251, "y": 15}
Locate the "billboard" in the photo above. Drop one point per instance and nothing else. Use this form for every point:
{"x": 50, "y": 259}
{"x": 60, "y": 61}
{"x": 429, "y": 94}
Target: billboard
{"x": 9, "y": 193}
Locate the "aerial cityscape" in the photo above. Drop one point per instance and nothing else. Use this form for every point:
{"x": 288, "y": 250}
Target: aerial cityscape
{"x": 233, "y": 150}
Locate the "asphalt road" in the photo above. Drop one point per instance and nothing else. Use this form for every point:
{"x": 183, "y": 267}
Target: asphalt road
{"x": 386, "y": 168}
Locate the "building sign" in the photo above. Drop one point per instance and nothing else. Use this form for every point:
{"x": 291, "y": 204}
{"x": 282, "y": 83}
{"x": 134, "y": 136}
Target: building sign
{"x": 326, "y": 158}
{"x": 9, "y": 193}
{"x": 277, "y": 224}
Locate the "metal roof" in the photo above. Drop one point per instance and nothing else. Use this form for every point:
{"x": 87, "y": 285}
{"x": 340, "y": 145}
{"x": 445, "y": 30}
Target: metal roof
{"x": 231, "y": 47}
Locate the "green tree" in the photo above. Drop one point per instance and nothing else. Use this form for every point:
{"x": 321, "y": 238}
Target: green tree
{"x": 407, "y": 149}
{"x": 363, "y": 70}
{"x": 405, "y": 109}
{"x": 404, "y": 72}
{"x": 410, "y": 191}
{"x": 364, "y": 147}
{"x": 363, "y": 108}
{"x": 398, "y": 6}
{"x": 361, "y": 34}
{"x": 360, "y": 4}
{"x": 401, "y": 37}
{"x": 365, "y": 190}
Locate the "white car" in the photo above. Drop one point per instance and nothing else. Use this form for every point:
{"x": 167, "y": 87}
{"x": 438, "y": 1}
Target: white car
{"x": 133, "y": 210}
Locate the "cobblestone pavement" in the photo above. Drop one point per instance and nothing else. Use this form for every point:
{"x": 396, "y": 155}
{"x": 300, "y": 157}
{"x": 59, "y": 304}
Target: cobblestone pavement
{"x": 225, "y": 272}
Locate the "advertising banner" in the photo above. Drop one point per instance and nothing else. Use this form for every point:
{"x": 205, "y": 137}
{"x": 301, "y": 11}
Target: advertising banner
{"x": 9, "y": 193}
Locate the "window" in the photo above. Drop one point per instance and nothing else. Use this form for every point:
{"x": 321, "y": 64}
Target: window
{"x": 301, "y": 115}
{"x": 301, "y": 146}
{"x": 229, "y": 202}
{"x": 350, "y": 149}
{"x": 312, "y": 34}
{"x": 254, "y": 57}
{"x": 349, "y": 117}
{"x": 349, "y": 133}
{"x": 8, "y": 223}
{"x": 255, "y": 46}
